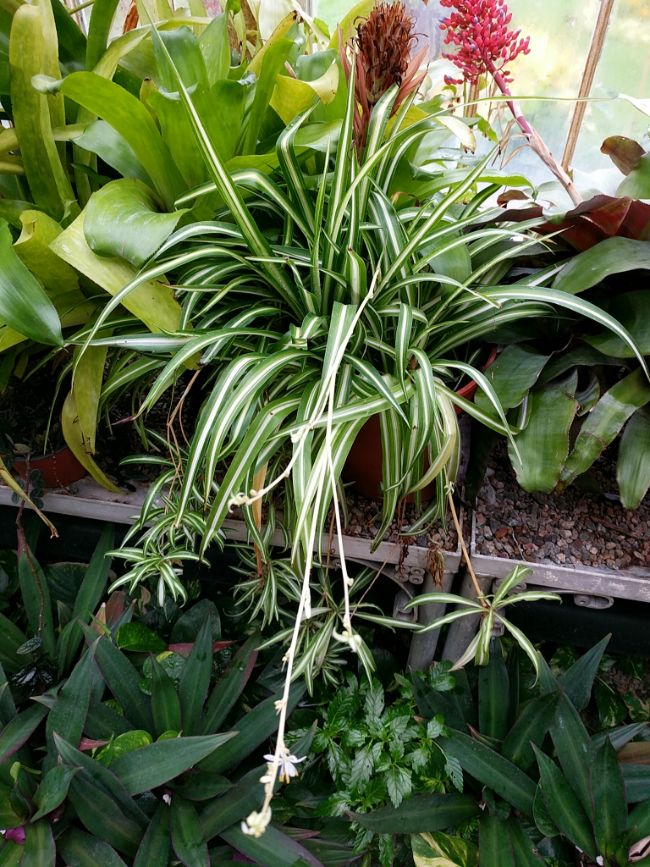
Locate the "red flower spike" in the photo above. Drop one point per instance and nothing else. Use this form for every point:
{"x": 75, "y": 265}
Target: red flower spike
{"x": 479, "y": 30}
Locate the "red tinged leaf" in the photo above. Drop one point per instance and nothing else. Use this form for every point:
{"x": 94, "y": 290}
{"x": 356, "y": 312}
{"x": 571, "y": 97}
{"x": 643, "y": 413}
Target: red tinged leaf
{"x": 90, "y": 744}
{"x": 590, "y": 222}
{"x": 624, "y": 152}
{"x": 185, "y": 647}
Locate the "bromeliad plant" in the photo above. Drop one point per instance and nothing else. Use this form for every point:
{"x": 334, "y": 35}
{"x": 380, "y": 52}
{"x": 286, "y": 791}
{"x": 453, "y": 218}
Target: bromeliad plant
{"x": 91, "y": 200}
{"x": 581, "y": 389}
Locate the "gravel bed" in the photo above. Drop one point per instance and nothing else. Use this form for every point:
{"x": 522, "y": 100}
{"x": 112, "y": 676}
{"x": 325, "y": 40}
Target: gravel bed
{"x": 364, "y": 519}
{"x": 579, "y": 527}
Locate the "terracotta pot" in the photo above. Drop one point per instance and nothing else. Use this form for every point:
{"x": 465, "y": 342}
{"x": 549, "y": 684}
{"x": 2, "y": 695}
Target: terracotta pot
{"x": 59, "y": 469}
{"x": 363, "y": 464}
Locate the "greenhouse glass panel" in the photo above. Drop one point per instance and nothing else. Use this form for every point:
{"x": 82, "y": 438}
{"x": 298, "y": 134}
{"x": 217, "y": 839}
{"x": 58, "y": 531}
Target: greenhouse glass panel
{"x": 548, "y": 79}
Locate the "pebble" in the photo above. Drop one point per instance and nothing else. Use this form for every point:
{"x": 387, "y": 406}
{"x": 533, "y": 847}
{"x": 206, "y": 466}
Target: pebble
{"x": 364, "y": 519}
{"x": 572, "y": 528}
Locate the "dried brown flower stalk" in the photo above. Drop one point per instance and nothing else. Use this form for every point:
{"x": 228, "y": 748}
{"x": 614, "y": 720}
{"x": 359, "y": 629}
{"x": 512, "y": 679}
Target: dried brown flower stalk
{"x": 132, "y": 18}
{"x": 381, "y": 52}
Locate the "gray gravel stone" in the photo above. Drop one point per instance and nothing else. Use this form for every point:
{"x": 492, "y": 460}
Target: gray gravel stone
{"x": 579, "y": 527}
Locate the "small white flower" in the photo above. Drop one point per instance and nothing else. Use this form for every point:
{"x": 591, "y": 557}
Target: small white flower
{"x": 257, "y": 823}
{"x": 167, "y": 798}
{"x": 279, "y": 705}
{"x": 286, "y": 765}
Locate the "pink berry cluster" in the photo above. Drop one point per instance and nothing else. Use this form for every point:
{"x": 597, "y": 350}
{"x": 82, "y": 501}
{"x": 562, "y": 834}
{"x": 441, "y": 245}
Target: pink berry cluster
{"x": 479, "y": 29}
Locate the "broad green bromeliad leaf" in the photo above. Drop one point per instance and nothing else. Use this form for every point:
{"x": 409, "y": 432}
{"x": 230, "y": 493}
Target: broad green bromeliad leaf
{"x": 631, "y": 309}
{"x": 512, "y": 375}
{"x": 611, "y": 256}
{"x": 86, "y": 388}
{"x": 130, "y": 118}
{"x": 605, "y": 421}
{"x": 74, "y": 438}
{"x": 101, "y": 139}
{"x": 293, "y": 96}
{"x": 29, "y": 56}
{"x": 544, "y": 442}
{"x": 152, "y": 302}
{"x": 637, "y": 184}
{"x": 33, "y": 247}
{"x": 24, "y": 305}
{"x": 124, "y": 219}
{"x": 633, "y": 465}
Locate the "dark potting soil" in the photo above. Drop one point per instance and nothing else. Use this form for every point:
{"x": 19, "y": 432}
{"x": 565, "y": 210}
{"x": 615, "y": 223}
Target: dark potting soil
{"x": 28, "y": 425}
{"x": 586, "y": 525}
{"x": 121, "y": 438}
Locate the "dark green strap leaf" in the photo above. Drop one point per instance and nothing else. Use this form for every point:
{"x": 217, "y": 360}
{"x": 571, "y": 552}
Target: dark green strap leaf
{"x": 243, "y": 798}
{"x": 157, "y": 763}
{"x": 195, "y": 678}
{"x": 574, "y": 750}
{"x": 252, "y": 730}
{"x": 419, "y": 814}
{"x": 578, "y": 680}
{"x": 229, "y": 688}
{"x": 19, "y": 730}
{"x": 100, "y": 814}
{"x": 493, "y": 693}
{"x": 154, "y": 850}
{"x": 541, "y": 815}
{"x": 531, "y": 726}
{"x": 68, "y": 716}
{"x": 101, "y": 777}
{"x": 523, "y": 848}
{"x": 36, "y": 597}
{"x": 123, "y": 681}
{"x": 53, "y": 790}
{"x": 84, "y": 850}
{"x": 165, "y": 705}
{"x": 273, "y": 848}
{"x": 492, "y": 769}
{"x": 494, "y": 843}
{"x": 40, "y": 850}
{"x": 187, "y": 837}
{"x": 608, "y": 792}
{"x": 563, "y": 805}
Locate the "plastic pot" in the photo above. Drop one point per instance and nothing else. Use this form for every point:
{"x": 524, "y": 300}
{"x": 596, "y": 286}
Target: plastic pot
{"x": 363, "y": 464}
{"x": 58, "y": 469}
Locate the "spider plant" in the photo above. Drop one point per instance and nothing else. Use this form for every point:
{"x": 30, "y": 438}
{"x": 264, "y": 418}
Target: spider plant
{"x": 321, "y": 295}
